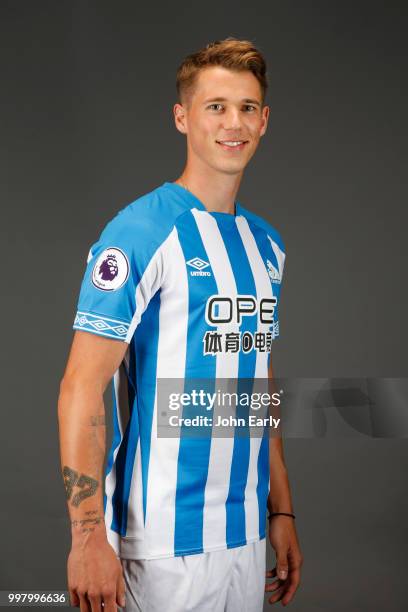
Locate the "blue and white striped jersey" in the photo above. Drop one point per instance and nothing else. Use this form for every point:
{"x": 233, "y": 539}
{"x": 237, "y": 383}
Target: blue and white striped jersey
{"x": 167, "y": 277}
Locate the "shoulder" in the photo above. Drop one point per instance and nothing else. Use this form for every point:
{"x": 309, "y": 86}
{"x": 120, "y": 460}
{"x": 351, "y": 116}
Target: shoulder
{"x": 148, "y": 219}
{"x": 260, "y": 222}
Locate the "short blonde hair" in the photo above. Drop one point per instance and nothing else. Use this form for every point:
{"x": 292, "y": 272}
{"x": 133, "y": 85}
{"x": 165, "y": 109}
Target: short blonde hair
{"x": 229, "y": 53}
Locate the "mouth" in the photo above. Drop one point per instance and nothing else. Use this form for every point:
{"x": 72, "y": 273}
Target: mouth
{"x": 232, "y": 145}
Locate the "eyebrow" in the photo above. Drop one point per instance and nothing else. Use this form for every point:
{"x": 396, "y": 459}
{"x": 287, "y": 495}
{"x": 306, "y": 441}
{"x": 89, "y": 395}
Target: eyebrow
{"x": 246, "y": 100}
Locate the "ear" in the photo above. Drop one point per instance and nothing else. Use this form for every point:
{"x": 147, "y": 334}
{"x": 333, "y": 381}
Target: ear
{"x": 180, "y": 118}
{"x": 264, "y": 120}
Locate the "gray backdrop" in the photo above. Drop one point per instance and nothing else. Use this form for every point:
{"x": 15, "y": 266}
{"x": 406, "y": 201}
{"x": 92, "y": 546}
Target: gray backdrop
{"x": 87, "y": 90}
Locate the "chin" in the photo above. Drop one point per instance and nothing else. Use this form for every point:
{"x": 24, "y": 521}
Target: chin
{"x": 231, "y": 167}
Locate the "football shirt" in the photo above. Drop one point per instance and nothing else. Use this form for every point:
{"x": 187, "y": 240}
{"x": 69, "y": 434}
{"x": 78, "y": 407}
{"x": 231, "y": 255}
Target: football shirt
{"x": 194, "y": 294}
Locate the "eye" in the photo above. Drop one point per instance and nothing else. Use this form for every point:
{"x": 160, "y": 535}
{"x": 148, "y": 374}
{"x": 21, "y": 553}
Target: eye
{"x": 250, "y": 108}
{"x": 215, "y": 106}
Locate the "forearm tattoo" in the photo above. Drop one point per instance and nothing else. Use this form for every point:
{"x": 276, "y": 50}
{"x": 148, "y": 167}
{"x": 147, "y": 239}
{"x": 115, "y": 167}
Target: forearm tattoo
{"x": 73, "y": 479}
{"x": 88, "y": 524}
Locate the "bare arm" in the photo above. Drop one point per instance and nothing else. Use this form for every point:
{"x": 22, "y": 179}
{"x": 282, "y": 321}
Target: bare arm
{"x": 279, "y": 499}
{"x": 282, "y": 530}
{"x": 94, "y": 572}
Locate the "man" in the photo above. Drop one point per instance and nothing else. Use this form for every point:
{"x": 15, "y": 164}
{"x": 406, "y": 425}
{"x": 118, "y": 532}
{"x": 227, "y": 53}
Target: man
{"x": 182, "y": 284}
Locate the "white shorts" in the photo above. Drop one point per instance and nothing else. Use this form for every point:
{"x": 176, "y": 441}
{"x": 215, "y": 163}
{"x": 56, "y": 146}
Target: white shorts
{"x": 230, "y": 580}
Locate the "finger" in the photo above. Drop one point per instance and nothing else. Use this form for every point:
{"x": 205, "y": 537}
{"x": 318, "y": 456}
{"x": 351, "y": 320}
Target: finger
{"x": 282, "y": 565}
{"x": 121, "y": 591}
{"x": 109, "y": 604}
{"x": 73, "y": 598}
{"x": 273, "y": 585}
{"x": 84, "y": 603}
{"x": 96, "y": 603}
{"x": 271, "y": 573}
{"x": 277, "y": 595}
{"x": 291, "y": 587}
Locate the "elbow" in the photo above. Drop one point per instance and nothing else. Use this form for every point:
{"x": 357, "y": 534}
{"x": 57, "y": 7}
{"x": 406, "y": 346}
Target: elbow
{"x": 65, "y": 395}
{"x": 78, "y": 390}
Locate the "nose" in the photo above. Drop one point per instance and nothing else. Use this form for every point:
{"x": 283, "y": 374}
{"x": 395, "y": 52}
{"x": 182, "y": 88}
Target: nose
{"x": 232, "y": 119}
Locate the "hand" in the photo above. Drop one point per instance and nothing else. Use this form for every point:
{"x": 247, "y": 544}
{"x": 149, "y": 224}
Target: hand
{"x": 95, "y": 576}
{"x": 283, "y": 538}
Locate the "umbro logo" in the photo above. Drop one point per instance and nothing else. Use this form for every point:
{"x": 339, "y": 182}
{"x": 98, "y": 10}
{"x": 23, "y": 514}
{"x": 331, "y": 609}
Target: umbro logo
{"x": 273, "y": 272}
{"x": 198, "y": 264}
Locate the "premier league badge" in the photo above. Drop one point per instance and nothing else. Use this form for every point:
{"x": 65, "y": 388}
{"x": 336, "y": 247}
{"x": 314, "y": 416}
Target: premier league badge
{"x": 111, "y": 270}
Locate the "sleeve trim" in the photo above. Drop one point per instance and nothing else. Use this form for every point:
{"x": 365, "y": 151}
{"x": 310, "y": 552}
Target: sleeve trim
{"x": 102, "y": 325}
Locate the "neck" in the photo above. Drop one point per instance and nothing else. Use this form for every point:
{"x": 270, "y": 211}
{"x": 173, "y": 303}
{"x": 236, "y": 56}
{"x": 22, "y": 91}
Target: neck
{"x": 217, "y": 192}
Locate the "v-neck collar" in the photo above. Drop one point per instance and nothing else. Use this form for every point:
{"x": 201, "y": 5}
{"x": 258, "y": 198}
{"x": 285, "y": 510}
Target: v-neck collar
{"x": 197, "y": 203}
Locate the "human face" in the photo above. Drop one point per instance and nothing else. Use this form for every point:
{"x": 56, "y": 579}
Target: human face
{"x": 223, "y": 119}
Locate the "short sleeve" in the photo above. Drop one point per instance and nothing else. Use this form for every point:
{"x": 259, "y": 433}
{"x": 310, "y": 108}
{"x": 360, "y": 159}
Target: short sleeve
{"x": 123, "y": 272}
{"x": 275, "y": 270}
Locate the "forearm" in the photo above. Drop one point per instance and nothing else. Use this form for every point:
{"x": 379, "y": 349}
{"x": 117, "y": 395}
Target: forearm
{"x": 279, "y": 499}
{"x": 82, "y": 434}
